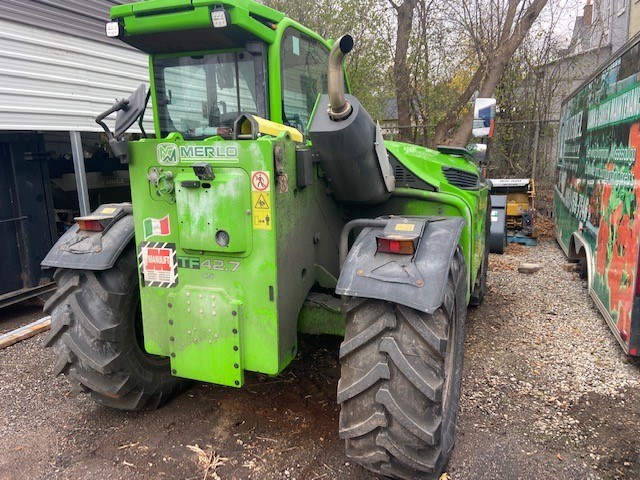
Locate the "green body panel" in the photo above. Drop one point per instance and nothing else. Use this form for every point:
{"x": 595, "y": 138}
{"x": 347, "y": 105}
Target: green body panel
{"x": 173, "y": 15}
{"x": 246, "y": 279}
{"x": 427, "y": 165}
{"x": 200, "y": 218}
{"x": 218, "y": 309}
{"x": 263, "y": 276}
{"x": 206, "y": 330}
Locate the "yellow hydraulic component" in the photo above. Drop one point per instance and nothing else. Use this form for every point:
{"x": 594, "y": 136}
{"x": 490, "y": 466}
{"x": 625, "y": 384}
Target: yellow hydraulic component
{"x": 519, "y": 203}
{"x": 252, "y": 125}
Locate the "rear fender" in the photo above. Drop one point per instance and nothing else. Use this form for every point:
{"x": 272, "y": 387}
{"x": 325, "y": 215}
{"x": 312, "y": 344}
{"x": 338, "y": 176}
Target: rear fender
{"x": 416, "y": 281}
{"x": 81, "y": 250}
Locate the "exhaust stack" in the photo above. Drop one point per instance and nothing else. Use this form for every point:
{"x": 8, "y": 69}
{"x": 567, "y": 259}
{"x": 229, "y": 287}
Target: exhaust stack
{"x": 339, "y": 107}
{"x": 350, "y": 145}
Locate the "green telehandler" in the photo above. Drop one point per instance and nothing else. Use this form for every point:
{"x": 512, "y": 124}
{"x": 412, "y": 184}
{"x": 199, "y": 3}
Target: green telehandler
{"x": 266, "y": 204}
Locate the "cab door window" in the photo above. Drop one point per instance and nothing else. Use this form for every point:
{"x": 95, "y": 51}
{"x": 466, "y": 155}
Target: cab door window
{"x": 304, "y": 77}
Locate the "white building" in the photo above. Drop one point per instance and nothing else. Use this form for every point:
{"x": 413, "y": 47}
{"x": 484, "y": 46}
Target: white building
{"x": 58, "y": 71}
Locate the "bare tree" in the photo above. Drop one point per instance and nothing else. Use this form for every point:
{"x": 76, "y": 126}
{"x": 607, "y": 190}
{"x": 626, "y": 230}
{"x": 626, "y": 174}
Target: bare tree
{"x": 401, "y": 74}
{"x": 495, "y": 29}
{"x": 368, "y": 22}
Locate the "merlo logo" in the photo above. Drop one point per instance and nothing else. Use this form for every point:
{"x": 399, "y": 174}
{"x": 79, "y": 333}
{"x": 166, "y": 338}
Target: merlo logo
{"x": 167, "y": 154}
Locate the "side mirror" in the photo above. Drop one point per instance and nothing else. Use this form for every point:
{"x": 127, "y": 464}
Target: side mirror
{"x": 129, "y": 110}
{"x": 129, "y": 113}
{"x": 484, "y": 113}
{"x": 479, "y": 152}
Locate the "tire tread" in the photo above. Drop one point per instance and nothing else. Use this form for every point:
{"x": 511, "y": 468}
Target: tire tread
{"x": 392, "y": 383}
{"x": 91, "y": 339}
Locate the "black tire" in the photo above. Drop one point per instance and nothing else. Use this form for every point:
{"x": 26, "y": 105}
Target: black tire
{"x": 400, "y": 382}
{"x": 582, "y": 268}
{"x": 480, "y": 287}
{"x": 96, "y": 336}
{"x": 477, "y": 296}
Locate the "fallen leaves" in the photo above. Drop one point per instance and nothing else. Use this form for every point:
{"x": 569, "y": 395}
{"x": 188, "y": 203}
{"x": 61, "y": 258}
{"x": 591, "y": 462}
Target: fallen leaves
{"x": 208, "y": 461}
{"x": 543, "y": 227}
{"x": 499, "y": 263}
{"x": 516, "y": 249}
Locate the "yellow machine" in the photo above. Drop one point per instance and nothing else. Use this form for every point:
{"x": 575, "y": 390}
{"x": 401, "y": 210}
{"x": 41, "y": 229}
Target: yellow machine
{"x": 520, "y": 193}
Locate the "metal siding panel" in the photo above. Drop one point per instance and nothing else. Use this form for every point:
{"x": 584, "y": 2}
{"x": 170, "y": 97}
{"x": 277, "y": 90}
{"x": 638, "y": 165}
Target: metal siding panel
{"x": 82, "y": 18}
{"x": 54, "y": 81}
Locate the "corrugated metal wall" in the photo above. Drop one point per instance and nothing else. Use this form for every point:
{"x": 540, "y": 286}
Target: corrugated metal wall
{"x": 80, "y": 18}
{"x": 57, "y": 68}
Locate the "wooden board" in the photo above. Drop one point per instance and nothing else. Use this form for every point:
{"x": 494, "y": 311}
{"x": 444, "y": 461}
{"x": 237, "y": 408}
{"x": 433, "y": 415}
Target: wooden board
{"x": 27, "y": 331}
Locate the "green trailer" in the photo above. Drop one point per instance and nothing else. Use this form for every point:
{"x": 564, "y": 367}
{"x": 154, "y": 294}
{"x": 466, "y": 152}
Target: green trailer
{"x": 266, "y": 203}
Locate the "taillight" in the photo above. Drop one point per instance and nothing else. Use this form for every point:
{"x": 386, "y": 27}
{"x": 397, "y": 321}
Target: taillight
{"x": 403, "y": 247}
{"x": 90, "y": 225}
{"x": 400, "y": 236}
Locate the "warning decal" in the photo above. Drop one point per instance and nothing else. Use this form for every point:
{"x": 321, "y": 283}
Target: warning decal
{"x": 158, "y": 264}
{"x": 261, "y": 201}
{"x": 261, "y": 220}
{"x": 260, "y": 181}
{"x": 405, "y": 227}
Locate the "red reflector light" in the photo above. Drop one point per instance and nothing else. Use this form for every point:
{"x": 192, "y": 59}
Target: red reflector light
{"x": 402, "y": 247}
{"x": 90, "y": 225}
{"x": 633, "y": 351}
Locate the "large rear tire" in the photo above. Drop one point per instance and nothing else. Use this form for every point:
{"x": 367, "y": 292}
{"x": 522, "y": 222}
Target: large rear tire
{"x": 480, "y": 287}
{"x": 96, "y": 335}
{"x": 400, "y": 382}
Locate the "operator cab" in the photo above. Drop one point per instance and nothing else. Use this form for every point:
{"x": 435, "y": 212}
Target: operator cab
{"x": 241, "y": 59}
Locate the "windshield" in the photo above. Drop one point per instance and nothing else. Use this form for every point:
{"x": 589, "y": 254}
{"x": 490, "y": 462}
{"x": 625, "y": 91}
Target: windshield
{"x": 202, "y": 95}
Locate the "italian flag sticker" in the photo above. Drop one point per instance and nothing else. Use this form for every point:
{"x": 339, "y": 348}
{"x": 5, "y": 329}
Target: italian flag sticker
{"x": 156, "y": 227}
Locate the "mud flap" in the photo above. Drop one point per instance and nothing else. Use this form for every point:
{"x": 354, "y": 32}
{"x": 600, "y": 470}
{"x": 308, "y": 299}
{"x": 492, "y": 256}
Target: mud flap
{"x": 82, "y": 250}
{"x": 417, "y": 281}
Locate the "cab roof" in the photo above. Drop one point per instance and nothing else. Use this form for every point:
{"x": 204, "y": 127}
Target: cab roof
{"x": 151, "y": 25}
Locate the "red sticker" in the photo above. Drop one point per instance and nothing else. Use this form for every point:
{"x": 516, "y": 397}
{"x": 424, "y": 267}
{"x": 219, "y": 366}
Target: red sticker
{"x": 158, "y": 264}
{"x": 158, "y": 259}
{"x": 260, "y": 181}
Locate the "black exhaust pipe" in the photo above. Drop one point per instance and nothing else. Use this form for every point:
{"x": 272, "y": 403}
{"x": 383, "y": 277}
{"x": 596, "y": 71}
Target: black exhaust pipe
{"x": 350, "y": 145}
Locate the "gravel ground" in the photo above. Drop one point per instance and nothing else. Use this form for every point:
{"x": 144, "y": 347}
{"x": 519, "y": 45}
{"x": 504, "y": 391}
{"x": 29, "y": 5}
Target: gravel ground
{"x": 547, "y": 393}
{"x": 547, "y": 388}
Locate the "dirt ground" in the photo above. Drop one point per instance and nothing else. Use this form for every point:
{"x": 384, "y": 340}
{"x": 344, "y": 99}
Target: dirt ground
{"x": 535, "y": 405}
